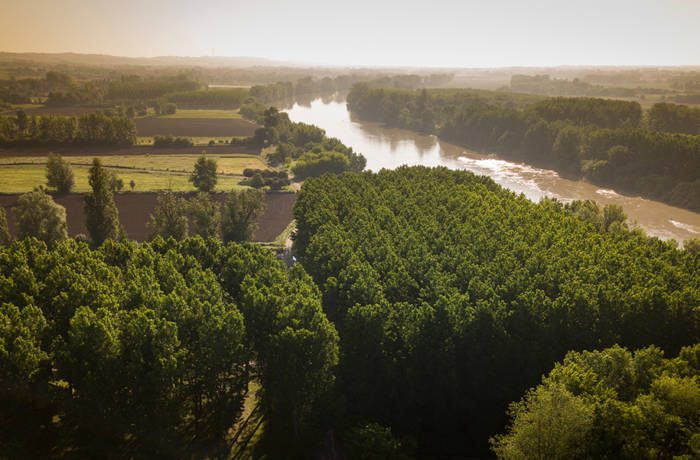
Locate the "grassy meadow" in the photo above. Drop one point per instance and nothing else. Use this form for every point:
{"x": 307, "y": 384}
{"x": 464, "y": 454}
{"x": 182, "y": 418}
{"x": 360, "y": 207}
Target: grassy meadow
{"x": 150, "y": 172}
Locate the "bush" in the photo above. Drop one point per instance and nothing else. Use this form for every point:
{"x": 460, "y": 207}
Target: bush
{"x": 170, "y": 141}
{"x": 40, "y": 217}
{"x": 316, "y": 164}
{"x": 59, "y": 174}
{"x": 203, "y": 176}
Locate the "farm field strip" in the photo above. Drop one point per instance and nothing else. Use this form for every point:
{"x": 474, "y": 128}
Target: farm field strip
{"x": 228, "y": 164}
{"x": 194, "y": 127}
{"x": 21, "y": 179}
{"x": 201, "y": 113}
{"x": 198, "y": 141}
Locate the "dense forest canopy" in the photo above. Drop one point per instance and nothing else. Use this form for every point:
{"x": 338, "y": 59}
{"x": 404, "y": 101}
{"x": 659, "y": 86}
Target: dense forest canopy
{"x": 612, "y": 143}
{"x": 452, "y": 295}
{"x": 147, "y": 350}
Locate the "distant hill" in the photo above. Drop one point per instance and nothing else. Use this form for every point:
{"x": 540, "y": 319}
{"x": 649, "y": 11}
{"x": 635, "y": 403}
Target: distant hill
{"x": 111, "y": 61}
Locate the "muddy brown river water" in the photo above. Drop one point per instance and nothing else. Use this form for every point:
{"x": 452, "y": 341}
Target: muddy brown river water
{"x": 390, "y": 148}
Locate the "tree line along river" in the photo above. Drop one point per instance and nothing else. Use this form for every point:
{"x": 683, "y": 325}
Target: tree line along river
{"x": 390, "y": 148}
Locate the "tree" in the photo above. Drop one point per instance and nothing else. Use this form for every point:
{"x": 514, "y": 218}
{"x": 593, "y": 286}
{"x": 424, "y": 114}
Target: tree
{"x": 101, "y": 213}
{"x": 204, "y": 175}
{"x": 257, "y": 181}
{"x": 609, "y": 403}
{"x": 4, "y": 230}
{"x": 169, "y": 218}
{"x": 241, "y": 211}
{"x": 549, "y": 423}
{"x": 206, "y": 216}
{"x": 132, "y": 184}
{"x": 22, "y": 120}
{"x": 614, "y": 217}
{"x": 117, "y": 183}
{"x": 59, "y": 174}
{"x": 40, "y": 217}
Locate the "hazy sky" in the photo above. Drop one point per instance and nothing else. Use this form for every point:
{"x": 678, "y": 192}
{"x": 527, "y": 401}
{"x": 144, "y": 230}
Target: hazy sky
{"x": 470, "y": 33}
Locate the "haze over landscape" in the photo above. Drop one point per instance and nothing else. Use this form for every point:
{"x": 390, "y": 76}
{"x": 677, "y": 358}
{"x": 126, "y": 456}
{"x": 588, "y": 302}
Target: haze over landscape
{"x": 442, "y": 33}
{"x": 358, "y": 230}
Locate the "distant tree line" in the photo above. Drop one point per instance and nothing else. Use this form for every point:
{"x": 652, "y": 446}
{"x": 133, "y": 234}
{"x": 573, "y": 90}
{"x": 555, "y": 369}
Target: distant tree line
{"x": 606, "y": 141}
{"x": 211, "y": 98}
{"x": 131, "y": 87}
{"x": 23, "y": 90}
{"x": 545, "y": 84}
{"x": 98, "y": 128}
{"x": 288, "y": 90}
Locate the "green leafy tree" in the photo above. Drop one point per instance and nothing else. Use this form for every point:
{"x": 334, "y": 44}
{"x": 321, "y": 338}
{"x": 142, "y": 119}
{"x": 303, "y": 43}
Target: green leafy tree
{"x": 59, "y": 173}
{"x": 613, "y": 217}
{"x": 205, "y": 214}
{"x": 549, "y": 423}
{"x": 241, "y": 211}
{"x": 204, "y": 175}
{"x": 610, "y": 403}
{"x": 39, "y": 216}
{"x": 5, "y": 237}
{"x": 169, "y": 218}
{"x": 101, "y": 213}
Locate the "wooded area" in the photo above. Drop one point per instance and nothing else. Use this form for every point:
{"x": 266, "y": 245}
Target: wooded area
{"x": 611, "y": 143}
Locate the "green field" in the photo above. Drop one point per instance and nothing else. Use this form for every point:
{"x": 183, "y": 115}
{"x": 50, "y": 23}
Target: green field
{"x": 20, "y": 179}
{"x": 231, "y": 164}
{"x": 150, "y": 172}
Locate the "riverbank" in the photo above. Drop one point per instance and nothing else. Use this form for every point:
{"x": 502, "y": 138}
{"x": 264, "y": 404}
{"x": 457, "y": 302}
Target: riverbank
{"x": 392, "y": 147}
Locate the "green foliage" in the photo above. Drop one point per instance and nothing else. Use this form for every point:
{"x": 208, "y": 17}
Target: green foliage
{"x": 315, "y": 164}
{"x": 295, "y": 139}
{"x": 40, "y": 217}
{"x": 603, "y": 139}
{"x": 205, "y": 214}
{"x": 211, "y": 98}
{"x": 93, "y": 129}
{"x": 256, "y": 181}
{"x": 241, "y": 211}
{"x": 582, "y": 111}
{"x": 59, "y": 174}
{"x": 170, "y": 109}
{"x": 4, "y": 230}
{"x": 610, "y": 218}
{"x": 133, "y": 87}
{"x": 609, "y": 404}
{"x": 101, "y": 214}
{"x": 674, "y": 118}
{"x": 204, "y": 174}
{"x": 140, "y": 350}
{"x": 169, "y": 218}
{"x": 452, "y": 295}
{"x": 168, "y": 141}
{"x": 547, "y": 423}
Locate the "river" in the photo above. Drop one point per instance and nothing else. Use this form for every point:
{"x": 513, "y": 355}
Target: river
{"x": 390, "y": 148}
